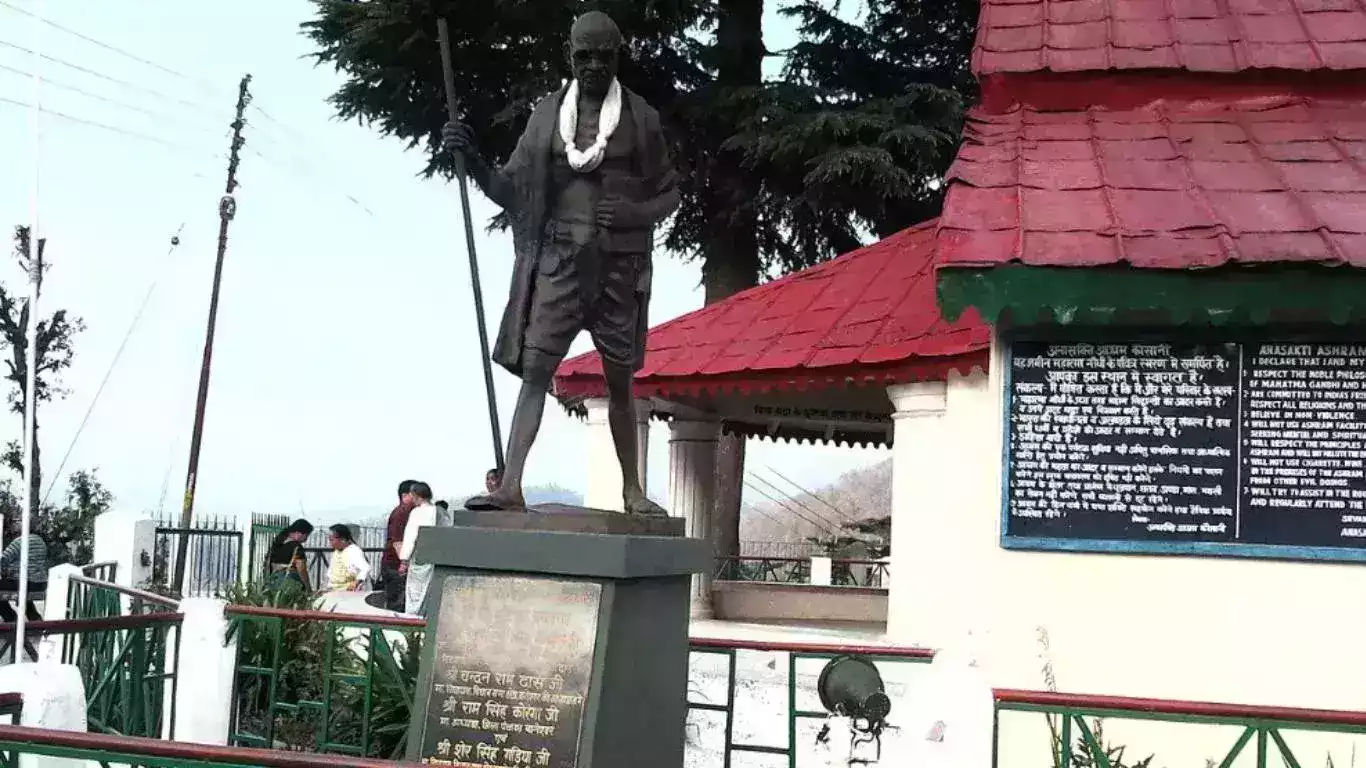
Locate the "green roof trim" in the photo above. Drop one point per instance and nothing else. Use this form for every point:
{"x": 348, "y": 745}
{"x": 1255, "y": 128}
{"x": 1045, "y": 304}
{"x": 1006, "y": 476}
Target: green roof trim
{"x": 1241, "y": 295}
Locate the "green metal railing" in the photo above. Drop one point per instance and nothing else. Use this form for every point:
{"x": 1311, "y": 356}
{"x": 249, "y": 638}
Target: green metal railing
{"x": 128, "y": 751}
{"x": 777, "y": 570}
{"x": 329, "y": 682}
{"x": 796, "y": 653}
{"x": 1260, "y": 729}
{"x": 308, "y": 680}
{"x": 126, "y": 644}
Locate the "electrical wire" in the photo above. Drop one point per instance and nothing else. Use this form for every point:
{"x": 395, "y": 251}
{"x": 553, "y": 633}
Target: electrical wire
{"x": 105, "y": 126}
{"x": 831, "y": 526}
{"x": 306, "y": 170}
{"x": 109, "y": 372}
{"x": 847, "y": 518}
{"x": 819, "y": 526}
{"x": 102, "y": 76}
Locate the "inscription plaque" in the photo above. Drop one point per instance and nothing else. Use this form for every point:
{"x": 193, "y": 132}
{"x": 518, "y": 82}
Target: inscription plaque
{"x": 1245, "y": 447}
{"x": 511, "y": 669}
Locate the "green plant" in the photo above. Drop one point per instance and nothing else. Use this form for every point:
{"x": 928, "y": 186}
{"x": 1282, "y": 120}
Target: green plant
{"x": 387, "y": 659}
{"x": 1083, "y": 752}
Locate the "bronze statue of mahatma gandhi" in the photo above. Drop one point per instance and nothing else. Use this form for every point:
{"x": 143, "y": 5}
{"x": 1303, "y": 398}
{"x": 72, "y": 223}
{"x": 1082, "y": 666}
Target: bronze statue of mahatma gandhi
{"x": 589, "y": 180}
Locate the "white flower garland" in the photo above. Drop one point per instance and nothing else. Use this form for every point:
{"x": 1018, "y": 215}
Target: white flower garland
{"x": 587, "y": 160}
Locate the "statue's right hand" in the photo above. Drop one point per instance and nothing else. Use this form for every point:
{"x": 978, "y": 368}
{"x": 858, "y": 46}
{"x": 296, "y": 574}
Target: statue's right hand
{"x": 457, "y": 138}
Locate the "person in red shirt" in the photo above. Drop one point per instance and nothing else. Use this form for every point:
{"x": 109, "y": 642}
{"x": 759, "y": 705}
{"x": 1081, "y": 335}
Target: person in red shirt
{"x": 390, "y": 569}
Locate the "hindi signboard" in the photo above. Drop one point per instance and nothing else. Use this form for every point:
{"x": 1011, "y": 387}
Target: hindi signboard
{"x": 1247, "y": 448}
{"x": 511, "y": 671}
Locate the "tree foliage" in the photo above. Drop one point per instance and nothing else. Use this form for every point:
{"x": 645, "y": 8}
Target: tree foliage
{"x": 68, "y": 527}
{"x": 55, "y": 353}
{"x": 777, "y": 174}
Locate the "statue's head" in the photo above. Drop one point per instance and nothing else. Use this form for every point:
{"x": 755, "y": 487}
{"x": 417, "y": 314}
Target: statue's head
{"x": 594, "y": 45}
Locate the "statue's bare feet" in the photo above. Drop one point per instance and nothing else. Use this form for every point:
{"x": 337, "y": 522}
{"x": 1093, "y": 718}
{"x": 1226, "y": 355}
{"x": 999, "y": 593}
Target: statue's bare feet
{"x": 500, "y": 500}
{"x": 640, "y": 504}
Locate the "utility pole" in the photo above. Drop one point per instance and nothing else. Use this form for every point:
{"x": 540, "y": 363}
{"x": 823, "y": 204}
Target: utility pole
{"x": 227, "y": 208}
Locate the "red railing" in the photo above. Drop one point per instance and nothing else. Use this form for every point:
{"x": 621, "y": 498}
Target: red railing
{"x": 402, "y": 622}
{"x": 1195, "y": 709}
{"x": 110, "y": 749}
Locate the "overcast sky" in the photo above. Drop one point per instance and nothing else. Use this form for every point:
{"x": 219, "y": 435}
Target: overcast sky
{"x": 346, "y": 356}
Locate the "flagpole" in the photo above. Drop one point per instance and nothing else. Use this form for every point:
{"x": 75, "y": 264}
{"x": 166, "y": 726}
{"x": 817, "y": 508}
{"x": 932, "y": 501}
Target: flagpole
{"x": 448, "y": 74}
{"x": 35, "y": 278}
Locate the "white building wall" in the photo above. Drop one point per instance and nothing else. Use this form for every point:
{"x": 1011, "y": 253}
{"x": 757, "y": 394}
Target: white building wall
{"x": 1190, "y": 628}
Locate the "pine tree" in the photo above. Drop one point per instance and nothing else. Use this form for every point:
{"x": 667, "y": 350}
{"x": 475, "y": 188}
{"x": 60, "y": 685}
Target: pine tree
{"x": 777, "y": 175}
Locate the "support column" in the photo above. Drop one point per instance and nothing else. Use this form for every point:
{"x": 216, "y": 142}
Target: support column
{"x": 204, "y": 667}
{"x": 919, "y": 489}
{"x": 604, "y": 472}
{"x": 129, "y": 539}
{"x": 692, "y": 487}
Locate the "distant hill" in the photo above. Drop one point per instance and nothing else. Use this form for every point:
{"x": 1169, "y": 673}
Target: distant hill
{"x": 861, "y": 494}
{"x": 375, "y": 515}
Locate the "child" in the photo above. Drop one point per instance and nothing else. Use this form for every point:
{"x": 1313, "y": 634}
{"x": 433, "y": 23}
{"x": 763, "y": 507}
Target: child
{"x": 349, "y": 568}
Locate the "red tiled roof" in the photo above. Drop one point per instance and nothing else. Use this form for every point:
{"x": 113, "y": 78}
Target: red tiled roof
{"x": 1174, "y": 184}
{"x": 1194, "y": 35}
{"x": 867, "y": 316}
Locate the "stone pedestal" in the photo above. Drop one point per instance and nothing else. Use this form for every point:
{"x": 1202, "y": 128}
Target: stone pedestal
{"x": 555, "y": 638}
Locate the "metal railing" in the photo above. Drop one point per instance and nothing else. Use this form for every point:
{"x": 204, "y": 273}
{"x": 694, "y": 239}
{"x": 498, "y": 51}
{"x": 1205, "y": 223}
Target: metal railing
{"x": 1259, "y": 730}
{"x": 844, "y": 572}
{"x": 213, "y": 556}
{"x": 126, "y": 644}
{"x": 329, "y": 682}
{"x": 797, "y": 549}
{"x": 105, "y": 571}
{"x": 795, "y": 684}
{"x": 860, "y": 573}
{"x": 308, "y": 680}
{"x": 775, "y": 570}
{"x": 18, "y": 740}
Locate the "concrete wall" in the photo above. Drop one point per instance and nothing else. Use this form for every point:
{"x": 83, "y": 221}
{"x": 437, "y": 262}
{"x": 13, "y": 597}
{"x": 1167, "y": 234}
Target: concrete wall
{"x": 761, "y": 601}
{"x": 1196, "y": 628}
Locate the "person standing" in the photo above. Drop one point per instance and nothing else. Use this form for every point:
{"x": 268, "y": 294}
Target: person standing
{"x": 389, "y": 564}
{"x": 417, "y": 575}
{"x": 349, "y": 569}
{"x": 285, "y": 561}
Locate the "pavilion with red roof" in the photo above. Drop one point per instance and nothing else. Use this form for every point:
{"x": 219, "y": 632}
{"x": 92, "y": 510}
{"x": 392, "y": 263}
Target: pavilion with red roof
{"x": 1137, "y": 328}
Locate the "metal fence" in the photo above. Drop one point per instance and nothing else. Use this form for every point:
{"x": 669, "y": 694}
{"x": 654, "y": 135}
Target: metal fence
{"x": 126, "y": 645}
{"x": 797, "y": 549}
{"x": 797, "y": 570}
{"x": 321, "y": 681}
{"x": 213, "y": 554}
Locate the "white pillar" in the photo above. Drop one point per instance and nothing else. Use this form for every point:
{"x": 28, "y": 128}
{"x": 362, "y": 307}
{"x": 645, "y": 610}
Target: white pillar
{"x": 203, "y": 694}
{"x": 604, "y": 471}
{"x": 692, "y": 468}
{"x": 920, "y": 486}
{"x": 124, "y": 537}
{"x": 54, "y": 698}
{"x": 54, "y": 609}
{"x": 822, "y": 571}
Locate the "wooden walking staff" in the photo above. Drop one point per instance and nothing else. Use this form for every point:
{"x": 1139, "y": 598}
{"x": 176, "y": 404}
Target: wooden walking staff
{"x": 443, "y": 35}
